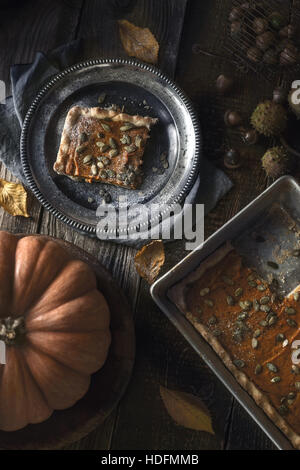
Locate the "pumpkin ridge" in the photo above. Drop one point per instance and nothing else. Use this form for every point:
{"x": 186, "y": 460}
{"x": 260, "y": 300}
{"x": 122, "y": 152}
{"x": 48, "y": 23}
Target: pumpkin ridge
{"x": 45, "y": 353}
{"x": 90, "y": 301}
{"x": 24, "y": 366}
{"x": 42, "y": 249}
{"x": 50, "y": 286}
{"x": 85, "y": 377}
{"x": 6, "y": 237}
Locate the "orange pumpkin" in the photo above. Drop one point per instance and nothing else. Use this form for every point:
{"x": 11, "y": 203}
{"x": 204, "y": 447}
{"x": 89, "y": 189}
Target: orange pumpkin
{"x": 55, "y": 327}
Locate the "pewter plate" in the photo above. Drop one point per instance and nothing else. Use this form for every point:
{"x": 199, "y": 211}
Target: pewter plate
{"x": 275, "y": 217}
{"x": 141, "y": 89}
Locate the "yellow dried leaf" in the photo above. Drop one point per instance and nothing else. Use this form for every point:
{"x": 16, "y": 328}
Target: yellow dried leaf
{"x": 149, "y": 260}
{"x": 13, "y": 198}
{"x": 187, "y": 410}
{"x": 138, "y": 42}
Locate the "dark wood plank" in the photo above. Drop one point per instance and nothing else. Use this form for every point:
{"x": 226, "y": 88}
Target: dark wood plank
{"x": 164, "y": 19}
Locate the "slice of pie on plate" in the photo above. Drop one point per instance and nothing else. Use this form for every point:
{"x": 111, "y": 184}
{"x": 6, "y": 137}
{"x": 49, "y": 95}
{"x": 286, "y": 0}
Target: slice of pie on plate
{"x": 251, "y": 328}
{"x": 103, "y": 145}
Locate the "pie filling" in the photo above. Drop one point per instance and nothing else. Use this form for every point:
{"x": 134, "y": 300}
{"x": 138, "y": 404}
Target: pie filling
{"x": 101, "y": 145}
{"x": 241, "y": 314}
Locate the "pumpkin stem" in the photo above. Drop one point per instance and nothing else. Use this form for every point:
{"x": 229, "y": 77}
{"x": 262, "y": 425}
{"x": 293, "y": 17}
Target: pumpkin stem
{"x": 12, "y": 330}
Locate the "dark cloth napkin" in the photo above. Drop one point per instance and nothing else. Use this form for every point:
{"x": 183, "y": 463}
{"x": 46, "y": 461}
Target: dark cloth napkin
{"x": 27, "y": 79}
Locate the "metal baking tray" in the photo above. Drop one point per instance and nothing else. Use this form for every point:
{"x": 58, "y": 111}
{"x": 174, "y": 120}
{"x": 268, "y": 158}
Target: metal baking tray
{"x": 274, "y": 215}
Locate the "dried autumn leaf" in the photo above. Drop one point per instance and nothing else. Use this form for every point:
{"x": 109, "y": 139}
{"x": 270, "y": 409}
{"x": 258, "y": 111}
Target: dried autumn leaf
{"x": 138, "y": 42}
{"x": 13, "y": 198}
{"x": 149, "y": 260}
{"x": 187, "y": 410}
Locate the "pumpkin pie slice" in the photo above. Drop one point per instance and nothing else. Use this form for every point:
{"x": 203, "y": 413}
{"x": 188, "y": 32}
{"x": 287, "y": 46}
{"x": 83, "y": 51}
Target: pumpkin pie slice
{"x": 103, "y": 145}
{"x": 251, "y": 328}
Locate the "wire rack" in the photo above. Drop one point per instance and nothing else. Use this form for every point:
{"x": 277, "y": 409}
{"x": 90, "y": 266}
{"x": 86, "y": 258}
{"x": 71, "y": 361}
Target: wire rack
{"x": 236, "y": 47}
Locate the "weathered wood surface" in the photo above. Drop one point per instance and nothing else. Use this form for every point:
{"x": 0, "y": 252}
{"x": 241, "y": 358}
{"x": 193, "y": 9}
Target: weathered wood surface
{"x": 163, "y": 357}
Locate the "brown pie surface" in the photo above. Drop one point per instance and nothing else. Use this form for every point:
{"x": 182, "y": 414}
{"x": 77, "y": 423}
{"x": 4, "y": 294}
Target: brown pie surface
{"x": 251, "y": 328}
{"x": 103, "y": 145}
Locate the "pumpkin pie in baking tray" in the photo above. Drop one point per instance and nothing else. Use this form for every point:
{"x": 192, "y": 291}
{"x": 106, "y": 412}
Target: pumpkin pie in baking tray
{"x": 249, "y": 325}
{"x": 103, "y": 145}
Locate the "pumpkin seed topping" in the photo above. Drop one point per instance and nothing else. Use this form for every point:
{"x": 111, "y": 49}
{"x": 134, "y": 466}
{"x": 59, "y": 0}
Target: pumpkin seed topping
{"x": 230, "y": 300}
{"x": 290, "y": 310}
{"x": 130, "y": 148}
{"x": 209, "y": 302}
{"x": 263, "y": 323}
{"x": 261, "y": 287}
{"x": 272, "y": 320}
{"x": 256, "y": 305}
{"x": 264, "y": 300}
{"x": 112, "y": 143}
{"x": 280, "y": 337}
{"x": 295, "y": 369}
{"x": 87, "y": 159}
{"x": 94, "y": 170}
{"x": 272, "y": 367}
{"x": 105, "y": 127}
{"x": 204, "y": 291}
{"x": 238, "y": 292}
{"x": 276, "y": 379}
{"x": 254, "y": 343}
{"x": 291, "y": 322}
{"x": 126, "y": 126}
{"x": 113, "y": 152}
{"x": 81, "y": 149}
{"x": 258, "y": 369}
{"x": 297, "y": 385}
{"x": 252, "y": 283}
{"x": 243, "y": 316}
{"x": 291, "y": 395}
{"x": 257, "y": 333}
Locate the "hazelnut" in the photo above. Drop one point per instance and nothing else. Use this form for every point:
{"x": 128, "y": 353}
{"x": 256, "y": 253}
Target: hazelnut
{"x": 289, "y": 55}
{"x": 277, "y": 21}
{"x": 270, "y": 57}
{"x": 265, "y": 40}
{"x": 254, "y": 54}
{"x": 235, "y": 14}
{"x": 279, "y": 95}
{"x": 288, "y": 31}
{"x": 260, "y": 25}
{"x": 232, "y": 159}
{"x": 232, "y": 118}
{"x": 250, "y": 136}
{"x": 235, "y": 28}
{"x": 224, "y": 84}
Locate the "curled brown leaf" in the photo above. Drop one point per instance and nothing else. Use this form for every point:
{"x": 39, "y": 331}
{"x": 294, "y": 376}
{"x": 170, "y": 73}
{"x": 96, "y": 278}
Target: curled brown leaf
{"x": 149, "y": 260}
{"x": 13, "y": 198}
{"x": 138, "y": 42}
{"x": 187, "y": 410}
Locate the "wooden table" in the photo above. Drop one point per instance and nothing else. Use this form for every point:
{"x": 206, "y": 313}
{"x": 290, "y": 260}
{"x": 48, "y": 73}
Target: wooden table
{"x": 163, "y": 357}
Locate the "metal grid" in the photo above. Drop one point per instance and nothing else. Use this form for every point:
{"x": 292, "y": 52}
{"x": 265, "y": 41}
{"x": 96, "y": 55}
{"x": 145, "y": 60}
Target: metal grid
{"x": 236, "y": 48}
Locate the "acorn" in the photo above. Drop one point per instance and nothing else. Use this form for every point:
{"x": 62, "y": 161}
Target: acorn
{"x": 276, "y": 20}
{"x": 265, "y": 40}
{"x": 235, "y": 14}
{"x": 260, "y": 25}
{"x": 289, "y": 56}
{"x": 276, "y": 162}
{"x": 236, "y": 28}
{"x": 254, "y": 54}
{"x": 288, "y": 31}
{"x": 270, "y": 57}
{"x": 250, "y": 136}
{"x": 279, "y": 95}
{"x": 224, "y": 84}
{"x": 232, "y": 118}
{"x": 269, "y": 118}
{"x": 232, "y": 159}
